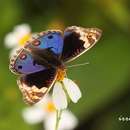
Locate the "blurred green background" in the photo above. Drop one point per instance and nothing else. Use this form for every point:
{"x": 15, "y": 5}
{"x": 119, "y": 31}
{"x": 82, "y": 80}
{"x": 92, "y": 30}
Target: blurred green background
{"x": 104, "y": 82}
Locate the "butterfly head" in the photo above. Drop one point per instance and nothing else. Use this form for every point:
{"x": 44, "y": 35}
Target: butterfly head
{"x": 23, "y": 63}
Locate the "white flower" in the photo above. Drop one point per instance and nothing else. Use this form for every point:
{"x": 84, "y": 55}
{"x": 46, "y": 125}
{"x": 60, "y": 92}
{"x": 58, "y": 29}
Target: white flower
{"x": 64, "y": 89}
{"x": 44, "y": 111}
{"x": 18, "y": 37}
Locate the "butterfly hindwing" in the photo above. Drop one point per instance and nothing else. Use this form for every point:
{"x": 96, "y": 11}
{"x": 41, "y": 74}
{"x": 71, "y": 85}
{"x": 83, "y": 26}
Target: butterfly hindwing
{"x": 35, "y": 86}
{"x": 78, "y": 40}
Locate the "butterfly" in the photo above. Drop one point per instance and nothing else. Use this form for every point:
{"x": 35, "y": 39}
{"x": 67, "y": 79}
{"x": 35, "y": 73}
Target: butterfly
{"x": 42, "y": 60}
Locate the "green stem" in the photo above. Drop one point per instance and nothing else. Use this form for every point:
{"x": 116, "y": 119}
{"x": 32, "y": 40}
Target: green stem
{"x": 58, "y": 117}
{"x": 68, "y": 97}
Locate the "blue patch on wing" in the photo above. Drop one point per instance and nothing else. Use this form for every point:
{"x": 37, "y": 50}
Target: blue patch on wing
{"x": 25, "y": 63}
{"x": 53, "y": 40}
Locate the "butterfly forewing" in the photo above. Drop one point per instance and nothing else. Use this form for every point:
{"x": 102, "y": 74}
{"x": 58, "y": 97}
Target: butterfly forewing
{"x": 52, "y": 39}
{"x": 23, "y": 63}
{"x": 78, "y": 40}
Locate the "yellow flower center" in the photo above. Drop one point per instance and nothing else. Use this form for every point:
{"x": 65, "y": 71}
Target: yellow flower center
{"x": 60, "y": 74}
{"x": 24, "y": 39}
{"x": 50, "y": 107}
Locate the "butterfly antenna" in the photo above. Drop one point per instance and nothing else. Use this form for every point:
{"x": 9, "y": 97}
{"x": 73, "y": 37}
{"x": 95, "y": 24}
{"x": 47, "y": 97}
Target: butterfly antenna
{"x": 76, "y": 65}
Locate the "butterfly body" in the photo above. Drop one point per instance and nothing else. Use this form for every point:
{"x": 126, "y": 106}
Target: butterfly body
{"x": 41, "y": 62}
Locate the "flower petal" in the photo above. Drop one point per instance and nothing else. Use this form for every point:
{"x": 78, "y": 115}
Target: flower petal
{"x": 33, "y": 115}
{"x": 67, "y": 122}
{"x": 50, "y": 121}
{"x": 10, "y": 40}
{"x": 59, "y": 97}
{"x": 44, "y": 101}
{"x": 72, "y": 90}
{"x": 22, "y": 29}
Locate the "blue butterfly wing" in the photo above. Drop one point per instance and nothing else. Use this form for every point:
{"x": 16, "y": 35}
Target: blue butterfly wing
{"x": 48, "y": 39}
{"x": 23, "y": 63}
{"x": 53, "y": 40}
{"x": 78, "y": 40}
